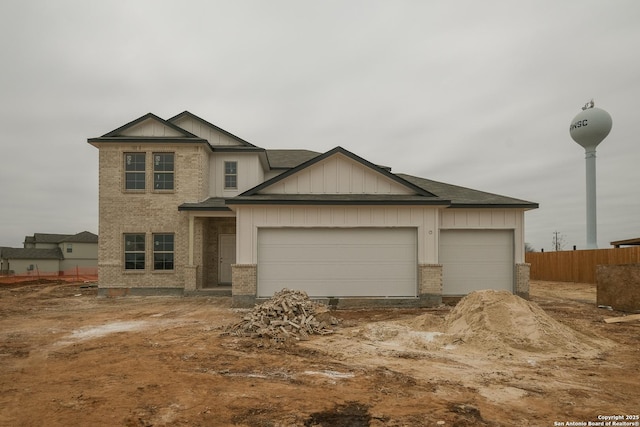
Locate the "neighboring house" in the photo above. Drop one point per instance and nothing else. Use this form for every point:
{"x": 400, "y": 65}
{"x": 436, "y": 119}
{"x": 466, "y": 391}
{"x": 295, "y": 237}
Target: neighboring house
{"x": 51, "y": 253}
{"x": 627, "y": 242}
{"x": 186, "y": 206}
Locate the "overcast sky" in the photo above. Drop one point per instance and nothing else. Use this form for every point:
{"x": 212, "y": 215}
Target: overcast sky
{"x": 474, "y": 93}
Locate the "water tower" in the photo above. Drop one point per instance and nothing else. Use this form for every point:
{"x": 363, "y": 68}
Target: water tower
{"x": 588, "y": 129}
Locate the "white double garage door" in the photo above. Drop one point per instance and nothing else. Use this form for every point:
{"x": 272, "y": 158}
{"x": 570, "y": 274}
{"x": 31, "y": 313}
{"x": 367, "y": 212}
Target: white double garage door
{"x": 378, "y": 262}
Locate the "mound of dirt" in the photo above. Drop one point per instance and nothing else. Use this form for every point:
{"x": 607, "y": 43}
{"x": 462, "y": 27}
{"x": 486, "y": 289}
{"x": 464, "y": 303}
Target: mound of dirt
{"x": 500, "y": 320}
{"x": 493, "y": 323}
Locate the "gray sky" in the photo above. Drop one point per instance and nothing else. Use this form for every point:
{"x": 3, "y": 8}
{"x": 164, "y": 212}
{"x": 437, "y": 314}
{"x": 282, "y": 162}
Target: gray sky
{"x": 478, "y": 94}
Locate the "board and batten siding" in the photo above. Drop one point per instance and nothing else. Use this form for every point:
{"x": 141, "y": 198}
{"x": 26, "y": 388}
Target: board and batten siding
{"x": 337, "y": 175}
{"x": 251, "y": 218}
{"x": 488, "y": 219}
{"x": 151, "y": 127}
{"x": 202, "y": 130}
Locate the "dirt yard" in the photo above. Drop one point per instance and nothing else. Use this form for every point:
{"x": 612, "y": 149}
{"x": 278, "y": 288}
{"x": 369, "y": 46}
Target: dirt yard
{"x": 70, "y": 358}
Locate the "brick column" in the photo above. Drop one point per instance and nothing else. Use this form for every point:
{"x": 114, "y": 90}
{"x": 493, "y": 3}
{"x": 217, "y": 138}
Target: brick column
{"x": 522, "y": 280}
{"x": 430, "y": 284}
{"x": 190, "y": 278}
{"x": 244, "y": 287}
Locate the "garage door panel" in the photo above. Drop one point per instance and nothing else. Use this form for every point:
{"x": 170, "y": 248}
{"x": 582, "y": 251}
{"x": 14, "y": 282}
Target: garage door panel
{"x": 338, "y": 270}
{"x": 338, "y": 262}
{"x": 337, "y": 253}
{"x": 476, "y": 259}
{"x": 490, "y": 253}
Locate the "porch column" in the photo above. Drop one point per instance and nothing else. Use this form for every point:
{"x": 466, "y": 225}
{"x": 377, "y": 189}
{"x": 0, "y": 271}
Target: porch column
{"x": 191, "y": 271}
{"x": 191, "y": 237}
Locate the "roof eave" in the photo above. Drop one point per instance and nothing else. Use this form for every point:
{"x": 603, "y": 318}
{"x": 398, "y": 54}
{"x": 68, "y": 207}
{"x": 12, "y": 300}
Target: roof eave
{"x": 236, "y": 149}
{"x": 163, "y": 139}
{"x": 200, "y": 119}
{"x": 203, "y": 208}
{"x": 97, "y": 142}
{"x": 526, "y": 206}
{"x": 443, "y": 203}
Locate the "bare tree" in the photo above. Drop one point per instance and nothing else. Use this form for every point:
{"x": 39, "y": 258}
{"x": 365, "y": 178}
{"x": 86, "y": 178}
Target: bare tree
{"x": 558, "y": 241}
{"x": 528, "y": 247}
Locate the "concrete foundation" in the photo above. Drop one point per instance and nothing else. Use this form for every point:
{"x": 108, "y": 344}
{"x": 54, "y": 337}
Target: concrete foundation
{"x": 140, "y": 292}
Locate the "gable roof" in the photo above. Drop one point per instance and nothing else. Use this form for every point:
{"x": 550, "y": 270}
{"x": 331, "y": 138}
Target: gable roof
{"x": 338, "y": 150}
{"x": 117, "y": 134}
{"x": 424, "y": 191}
{"x": 211, "y": 125}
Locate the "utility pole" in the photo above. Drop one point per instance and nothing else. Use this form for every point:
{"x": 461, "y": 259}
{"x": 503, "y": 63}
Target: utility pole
{"x": 558, "y": 241}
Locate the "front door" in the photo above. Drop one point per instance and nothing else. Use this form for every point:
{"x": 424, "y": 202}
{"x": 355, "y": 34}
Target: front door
{"x": 227, "y": 256}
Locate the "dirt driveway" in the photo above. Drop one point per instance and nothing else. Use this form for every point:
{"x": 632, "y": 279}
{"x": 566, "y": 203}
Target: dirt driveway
{"x": 69, "y": 358}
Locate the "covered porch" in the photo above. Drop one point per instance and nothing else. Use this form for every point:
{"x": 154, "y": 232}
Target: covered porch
{"x": 211, "y": 246}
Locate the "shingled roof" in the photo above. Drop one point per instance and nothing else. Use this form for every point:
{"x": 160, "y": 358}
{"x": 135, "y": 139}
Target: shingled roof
{"x": 287, "y": 159}
{"x": 30, "y": 253}
{"x": 462, "y": 197}
{"x": 82, "y": 237}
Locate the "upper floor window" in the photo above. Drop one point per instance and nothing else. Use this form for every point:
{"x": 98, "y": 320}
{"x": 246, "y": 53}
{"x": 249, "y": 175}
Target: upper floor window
{"x": 134, "y": 251}
{"x": 69, "y": 248}
{"x": 134, "y": 166}
{"x": 163, "y": 251}
{"x": 231, "y": 175}
{"x": 163, "y": 171}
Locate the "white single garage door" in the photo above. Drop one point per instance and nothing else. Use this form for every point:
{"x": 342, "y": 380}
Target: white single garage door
{"x": 476, "y": 259}
{"x": 338, "y": 262}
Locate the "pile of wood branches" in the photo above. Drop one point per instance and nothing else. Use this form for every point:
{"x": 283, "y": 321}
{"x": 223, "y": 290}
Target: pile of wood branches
{"x": 288, "y": 315}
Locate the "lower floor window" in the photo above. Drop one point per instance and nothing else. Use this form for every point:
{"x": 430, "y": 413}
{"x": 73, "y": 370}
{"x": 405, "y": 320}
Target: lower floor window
{"x": 134, "y": 251}
{"x": 163, "y": 251}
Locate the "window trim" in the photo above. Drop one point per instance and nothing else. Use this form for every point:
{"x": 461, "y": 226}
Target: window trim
{"x": 159, "y": 252}
{"x": 233, "y": 175}
{"x": 135, "y": 172}
{"x": 143, "y": 252}
{"x": 171, "y": 172}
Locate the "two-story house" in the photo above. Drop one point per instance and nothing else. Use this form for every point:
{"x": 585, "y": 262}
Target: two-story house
{"x": 49, "y": 253}
{"x": 186, "y": 206}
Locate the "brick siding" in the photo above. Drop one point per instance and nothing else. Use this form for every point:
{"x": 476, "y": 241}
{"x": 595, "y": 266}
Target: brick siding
{"x": 147, "y": 211}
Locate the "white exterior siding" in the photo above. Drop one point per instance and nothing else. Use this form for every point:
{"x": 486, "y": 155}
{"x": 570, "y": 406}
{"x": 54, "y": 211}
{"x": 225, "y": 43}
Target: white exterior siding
{"x": 250, "y": 173}
{"x": 488, "y": 219}
{"x": 251, "y": 218}
{"x": 40, "y": 266}
{"x": 337, "y": 175}
{"x": 82, "y": 255}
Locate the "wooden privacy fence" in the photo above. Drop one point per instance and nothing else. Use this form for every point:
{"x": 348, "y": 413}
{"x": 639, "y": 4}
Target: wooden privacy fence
{"x": 577, "y": 266}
